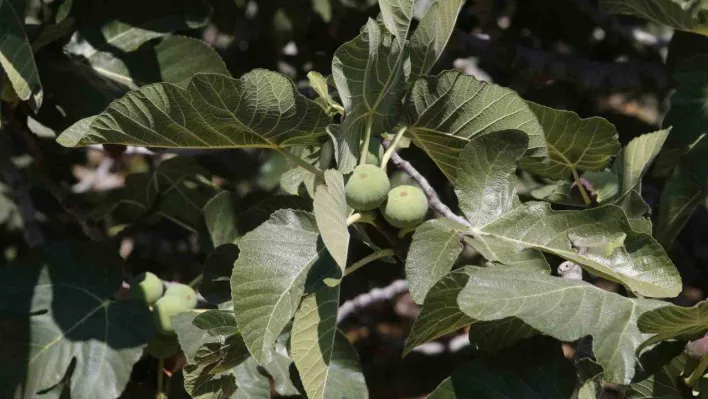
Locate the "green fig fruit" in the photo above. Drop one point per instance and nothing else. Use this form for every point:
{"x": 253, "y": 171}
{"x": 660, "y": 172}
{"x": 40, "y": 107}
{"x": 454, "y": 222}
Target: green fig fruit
{"x": 367, "y": 187}
{"x": 146, "y": 287}
{"x": 163, "y": 311}
{"x": 184, "y": 292}
{"x": 405, "y": 207}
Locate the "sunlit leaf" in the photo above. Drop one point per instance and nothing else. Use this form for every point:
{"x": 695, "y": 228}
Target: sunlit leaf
{"x": 638, "y": 261}
{"x": 16, "y": 56}
{"x": 434, "y": 248}
{"x": 432, "y": 34}
{"x": 369, "y": 74}
{"x": 270, "y": 274}
{"x": 444, "y": 112}
{"x": 574, "y": 143}
{"x": 578, "y": 309}
{"x": 331, "y": 212}
{"x": 262, "y": 109}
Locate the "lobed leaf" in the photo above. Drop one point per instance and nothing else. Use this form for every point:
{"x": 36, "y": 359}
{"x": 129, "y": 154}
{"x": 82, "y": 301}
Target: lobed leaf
{"x": 270, "y": 275}
{"x": 432, "y": 34}
{"x": 674, "y": 322}
{"x": 444, "y": 112}
{"x": 324, "y": 362}
{"x": 433, "y": 251}
{"x": 370, "y": 78}
{"x": 564, "y": 309}
{"x": 638, "y": 261}
{"x": 574, "y": 143}
{"x": 262, "y": 109}
{"x": 55, "y": 310}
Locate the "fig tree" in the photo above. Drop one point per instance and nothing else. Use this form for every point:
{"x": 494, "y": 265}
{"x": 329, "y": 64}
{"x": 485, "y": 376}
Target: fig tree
{"x": 367, "y": 187}
{"x": 163, "y": 311}
{"x": 405, "y": 207}
{"x": 184, "y": 292}
{"x": 146, "y": 287}
{"x": 375, "y": 153}
{"x": 163, "y": 346}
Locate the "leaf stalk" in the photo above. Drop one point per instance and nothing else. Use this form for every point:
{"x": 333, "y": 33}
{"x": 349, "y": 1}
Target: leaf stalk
{"x": 368, "y": 259}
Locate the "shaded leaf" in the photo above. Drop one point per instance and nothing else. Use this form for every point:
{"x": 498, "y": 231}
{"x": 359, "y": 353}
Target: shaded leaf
{"x": 55, "y": 309}
{"x": 680, "y": 14}
{"x": 114, "y": 51}
{"x": 493, "y": 335}
{"x": 543, "y": 373}
{"x": 222, "y": 356}
{"x": 221, "y": 220}
{"x": 261, "y": 211}
{"x": 440, "y": 314}
{"x": 199, "y": 384}
{"x": 577, "y": 309}
{"x": 638, "y": 262}
{"x": 661, "y": 385}
{"x": 574, "y": 143}
{"x": 683, "y": 192}
{"x": 433, "y": 251}
{"x": 486, "y": 182}
{"x": 445, "y": 111}
{"x": 175, "y": 190}
{"x": 674, "y": 322}
{"x": 261, "y": 110}
{"x": 216, "y": 283}
{"x": 331, "y": 212}
{"x": 432, "y": 34}
{"x": 686, "y": 116}
{"x": 270, "y": 274}
{"x": 603, "y": 185}
{"x": 217, "y": 323}
{"x": 16, "y": 56}
{"x": 369, "y": 74}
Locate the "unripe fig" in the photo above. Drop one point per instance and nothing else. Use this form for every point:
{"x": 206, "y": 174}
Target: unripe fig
{"x": 400, "y": 178}
{"x": 146, "y": 287}
{"x": 163, "y": 346}
{"x": 185, "y": 293}
{"x": 367, "y": 188}
{"x": 405, "y": 207}
{"x": 163, "y": 311}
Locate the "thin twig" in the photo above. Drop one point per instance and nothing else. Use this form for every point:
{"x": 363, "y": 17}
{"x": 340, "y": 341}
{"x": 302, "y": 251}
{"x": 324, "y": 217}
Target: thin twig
{"x": 581, "y": 187}
{"x": 433, "y": 198}
{"x": 392, "y": 147}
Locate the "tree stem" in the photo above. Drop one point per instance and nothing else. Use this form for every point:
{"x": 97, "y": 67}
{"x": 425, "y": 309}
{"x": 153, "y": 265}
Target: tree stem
{"x": 697, "y": 372}
{"x": 581, "y": 186}
{"x": 366, "y": 260}
{"x": 365, "y": 144}
{"x": 196, "y": 280}
{"x": 300, "y": 162}
{"x": 160, "y": 376}
{"x": 393, "y": 146}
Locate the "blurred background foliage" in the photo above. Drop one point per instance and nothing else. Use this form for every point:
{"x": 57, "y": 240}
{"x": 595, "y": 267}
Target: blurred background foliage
{"x": 560, "y": 53}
